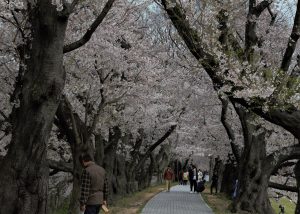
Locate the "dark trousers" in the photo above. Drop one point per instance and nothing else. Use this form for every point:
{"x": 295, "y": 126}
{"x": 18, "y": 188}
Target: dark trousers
{"x": 214, "y": 185}
{"x": 92, "y": 209}
{"x": 193, "y": 183}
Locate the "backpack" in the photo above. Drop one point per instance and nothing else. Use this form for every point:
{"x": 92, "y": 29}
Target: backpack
{"x": 200, "y": 186}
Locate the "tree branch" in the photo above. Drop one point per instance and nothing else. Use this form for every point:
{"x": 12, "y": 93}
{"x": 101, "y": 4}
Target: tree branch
{"x": 4, "y": 116}
{"x": 153, "y": 146}
{"x": 262, "y": 6}
{"x": 86, "y": 37}
{"x": 282, "y": 155}
{"x": 229, "y": 130}
{"x": 291, "y": 46}
{"x": 251, "y": 38}
{"x": 283, "y": 165}
{"x": 289, "y": 119}
{"x": 227, "y": 39}
{"x": 60, "y": 166}
{"x": 273, "y": 16}
{"x": 286, "y": 118}
{"x": 283, "y": 187}
{"x": 69, "y": 123}
{"x": 192, "y": 39}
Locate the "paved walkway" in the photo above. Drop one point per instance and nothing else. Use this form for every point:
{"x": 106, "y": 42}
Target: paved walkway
{"x": 178, "y": 201}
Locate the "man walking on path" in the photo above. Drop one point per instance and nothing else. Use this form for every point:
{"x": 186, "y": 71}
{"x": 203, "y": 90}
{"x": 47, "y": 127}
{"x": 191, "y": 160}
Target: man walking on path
{"x": 168, "y": 176}
{"x": 94, "y": 188}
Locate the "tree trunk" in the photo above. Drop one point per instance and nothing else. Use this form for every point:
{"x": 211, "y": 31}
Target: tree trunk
{"x": 254, "y": 172}
{"x": 220, "y": 173}
{"x": 120, "y": 174}
{"x": 162, "y": 160}
{"x": 110, "y": 159}
{"x": 297, "y": 173}
{"x": 70, "y": 124}
{"x": 77, "y": 170}
{"x": 230, "y": 176}
{"x": 253, "y": 180}
{"x": 99, "y": 144}
{"x": 211, "y": 166}
{"x": 24, "y": 171}
{"x": 151, "y": 169}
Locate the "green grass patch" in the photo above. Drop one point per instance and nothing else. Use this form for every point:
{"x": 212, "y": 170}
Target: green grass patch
{"x": 64, "y": 208}
{"x": 135, "y": 202}
{"x": 220, "y": 203}
{"x": 289, "y": 206}
{"x": 130, "y": 204}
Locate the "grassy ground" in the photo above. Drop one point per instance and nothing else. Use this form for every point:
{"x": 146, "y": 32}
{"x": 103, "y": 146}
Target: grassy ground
{"x": 289, "y": 206}
{"x": 220, "y": 203}
{"x": 63, "y": 209}
{"x": 134, "y": 203}
{"x": 131, "y": 204}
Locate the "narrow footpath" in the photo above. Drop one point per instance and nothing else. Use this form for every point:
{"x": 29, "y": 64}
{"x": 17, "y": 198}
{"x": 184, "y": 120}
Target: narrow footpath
{"x": 178, "y": 201}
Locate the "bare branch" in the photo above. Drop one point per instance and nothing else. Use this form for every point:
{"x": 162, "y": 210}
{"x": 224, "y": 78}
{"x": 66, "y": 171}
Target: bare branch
{"x": 86, "y": 37}
{"x": 18, "y": 25}
{"x": 4, "y": 116}
{"x": 4, "y": 135}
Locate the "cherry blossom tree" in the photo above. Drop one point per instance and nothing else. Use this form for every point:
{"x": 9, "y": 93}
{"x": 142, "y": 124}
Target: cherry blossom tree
{"x": 41, "y": 28}
{"x": 241, "y": 72}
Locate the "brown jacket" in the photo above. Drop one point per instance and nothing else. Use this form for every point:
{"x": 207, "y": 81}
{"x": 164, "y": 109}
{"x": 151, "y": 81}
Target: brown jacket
{"x": 168, "y": 174}
{"x": 96, "y": 188}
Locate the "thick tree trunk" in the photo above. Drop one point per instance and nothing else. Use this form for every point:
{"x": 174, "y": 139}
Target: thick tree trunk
{"x": 75, "y": 131}
{"x": 24, "y": 171}
{"x": 253, "y": 180}
{"x": 77, "y": 170}
{"x": 230, "y": 176}
{"x": 254, "y": 172}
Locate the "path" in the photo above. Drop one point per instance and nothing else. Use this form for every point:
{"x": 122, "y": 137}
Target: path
{"x": 178, "y": 201}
